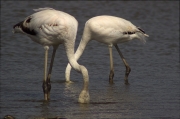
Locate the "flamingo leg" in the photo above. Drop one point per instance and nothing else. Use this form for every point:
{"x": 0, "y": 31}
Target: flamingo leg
{"x": 111, "y": 74}
{"x": 44, "y": 86}
{"x": 128, "y": 69}
{"x": 49, "y": 72}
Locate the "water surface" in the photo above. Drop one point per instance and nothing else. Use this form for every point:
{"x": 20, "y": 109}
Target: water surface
{"x": 154, "y": 80}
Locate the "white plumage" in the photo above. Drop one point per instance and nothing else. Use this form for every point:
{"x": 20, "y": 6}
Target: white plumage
{"x": 50, "y": 27}
{"x": 110, "y": 30}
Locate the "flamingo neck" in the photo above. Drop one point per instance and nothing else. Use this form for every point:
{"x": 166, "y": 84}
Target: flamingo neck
{"x": 84, "y": 40}
{"x": 69, "y": 46}
{"x": 80, "y": 49}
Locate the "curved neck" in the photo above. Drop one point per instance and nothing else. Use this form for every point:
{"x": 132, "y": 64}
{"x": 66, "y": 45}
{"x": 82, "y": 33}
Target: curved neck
{"x": 84, "y": 40}
{"x": 80, "y": 49}
{"x": 69, "y": 46}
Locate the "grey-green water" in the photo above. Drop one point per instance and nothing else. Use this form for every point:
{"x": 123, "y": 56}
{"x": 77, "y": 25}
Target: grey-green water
{"x": 153, "y": 92}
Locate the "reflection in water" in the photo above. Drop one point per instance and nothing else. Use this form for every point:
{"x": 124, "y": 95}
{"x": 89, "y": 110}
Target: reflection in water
{"x": 71, "y": 90}
{"x": 45, "y": 112}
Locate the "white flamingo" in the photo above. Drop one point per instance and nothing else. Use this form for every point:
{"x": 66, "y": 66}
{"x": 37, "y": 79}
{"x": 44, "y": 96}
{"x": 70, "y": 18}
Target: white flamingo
{"x": 109, "y": 30}
{"x": 50, "y": 27}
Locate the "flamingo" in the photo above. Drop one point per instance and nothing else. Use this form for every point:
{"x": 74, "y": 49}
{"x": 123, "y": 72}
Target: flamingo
{"x": 109, "y": 30}
{"x": 50, "y": 27}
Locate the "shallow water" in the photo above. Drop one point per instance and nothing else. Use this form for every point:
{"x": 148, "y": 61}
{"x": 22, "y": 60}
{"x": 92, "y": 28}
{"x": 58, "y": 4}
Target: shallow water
{"x": 154, "y": 80}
